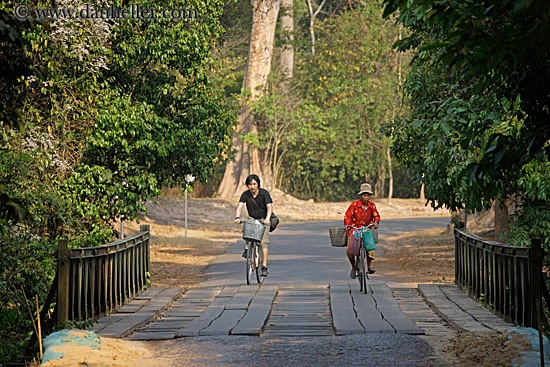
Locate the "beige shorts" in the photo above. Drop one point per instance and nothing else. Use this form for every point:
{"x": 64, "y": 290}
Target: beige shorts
{"x": 370, "y": 253}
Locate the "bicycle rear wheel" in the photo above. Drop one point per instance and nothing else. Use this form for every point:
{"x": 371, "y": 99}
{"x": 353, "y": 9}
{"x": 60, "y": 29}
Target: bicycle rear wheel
{"x": 259, "y": 276}
{"x": 364, "y": 270}
{"x": 249, "y": 261}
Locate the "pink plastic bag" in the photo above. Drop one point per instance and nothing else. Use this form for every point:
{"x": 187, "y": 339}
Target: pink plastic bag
{"x": 354, "y": 245}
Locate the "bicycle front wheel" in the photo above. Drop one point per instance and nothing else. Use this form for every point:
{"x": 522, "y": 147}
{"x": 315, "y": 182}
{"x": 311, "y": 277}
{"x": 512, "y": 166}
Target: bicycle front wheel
{"x": 250, "y": 262}
{"x": 364, "y": 270}
{"x": 359, "y": 271}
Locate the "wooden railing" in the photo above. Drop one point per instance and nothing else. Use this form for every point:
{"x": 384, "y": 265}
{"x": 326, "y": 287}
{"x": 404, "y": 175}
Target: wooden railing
{"x": 505, "y": 279}
{"x": 96, "y": 281}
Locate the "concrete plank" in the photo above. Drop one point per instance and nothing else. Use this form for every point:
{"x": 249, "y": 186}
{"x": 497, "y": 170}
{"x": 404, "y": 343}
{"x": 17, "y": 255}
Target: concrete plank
{"x": 242, "y": 298}
{"x": 448, "y": 310}
{"x": 343, "y": 314}
{"x": 105, "y": 321}
{"x": 145, "y": 335}
{"x": 257, "y": 314}
{"x": 369, "y": 316}
{"x": 388, "y": 306}
{"x": 173, "y": 325}
{"x": 223, "y": 324}
{"x": 133, "y": 306}
{"x": 228, "y": 291}
{"x": 171, "y": 291}
{"x": 211, "y": 313}
{"x": 125, "y": 327}
{"x": 477, "y": 311}
{"x": 182, "y": 313}
{"x": 151, "y": 292}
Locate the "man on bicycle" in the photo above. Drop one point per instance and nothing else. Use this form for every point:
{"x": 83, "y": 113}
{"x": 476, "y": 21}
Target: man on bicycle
{"x": 362, "y": 213}
{"x": 259, "y": 206}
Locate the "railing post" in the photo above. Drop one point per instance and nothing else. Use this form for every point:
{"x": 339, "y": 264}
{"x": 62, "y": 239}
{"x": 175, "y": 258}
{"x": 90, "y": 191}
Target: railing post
{"x": 146, "y": 228}
{"x": 535, "y": 271}
{"x": 457, "y": 260}
{"x": 63, "y": 269}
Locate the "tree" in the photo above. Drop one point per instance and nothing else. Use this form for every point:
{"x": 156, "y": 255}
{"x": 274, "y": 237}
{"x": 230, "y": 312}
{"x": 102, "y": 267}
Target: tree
{"x": 287, "y": 35}
{"x": 96, "y": 116}
{"x": 479, "y": 128}
{"x": 312, "y": 15}
{"x": 332, "y": 113}
{"x": 258, "y": 67}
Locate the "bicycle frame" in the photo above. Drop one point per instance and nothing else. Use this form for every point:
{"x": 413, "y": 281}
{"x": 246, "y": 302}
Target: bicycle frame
{"x": 253, "y": 262}
{"x": 361, "y": 259}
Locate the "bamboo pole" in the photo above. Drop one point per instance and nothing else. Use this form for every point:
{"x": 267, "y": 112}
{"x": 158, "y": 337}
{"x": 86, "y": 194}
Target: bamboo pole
{"x": 39, "y": 327}
{"x": 29, "y": 308}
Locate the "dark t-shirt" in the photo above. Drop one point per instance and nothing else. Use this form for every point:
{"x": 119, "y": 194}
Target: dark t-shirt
{"x": 262, "y": 199}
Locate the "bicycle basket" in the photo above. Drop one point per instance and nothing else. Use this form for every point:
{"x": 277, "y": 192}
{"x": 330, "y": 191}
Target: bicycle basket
{"x": 253, "y": 231}
{"x": 338, "y": 237}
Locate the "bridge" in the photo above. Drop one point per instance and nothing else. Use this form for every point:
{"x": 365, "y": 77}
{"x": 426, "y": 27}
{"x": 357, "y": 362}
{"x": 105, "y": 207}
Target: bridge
{"x": 308, "y": 293}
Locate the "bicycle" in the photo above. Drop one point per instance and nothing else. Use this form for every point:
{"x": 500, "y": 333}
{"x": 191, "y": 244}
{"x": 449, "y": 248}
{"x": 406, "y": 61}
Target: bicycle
{"x": 253, "y": 259}
{"x": 253, "y": 262}
{"x": 361, "y": 259}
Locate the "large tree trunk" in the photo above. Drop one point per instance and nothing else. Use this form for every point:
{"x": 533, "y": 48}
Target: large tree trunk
{"x": 287, "y": 52}
{"x": 390, "y": 173}
{"x": 501, "y": 219}
{"x": 258, "y": 67}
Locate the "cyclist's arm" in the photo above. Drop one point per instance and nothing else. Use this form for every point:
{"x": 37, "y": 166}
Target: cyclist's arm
{"x": 269, "y": 211}
{"x": 348, "y": 221}
{"x": 238, "y": 212}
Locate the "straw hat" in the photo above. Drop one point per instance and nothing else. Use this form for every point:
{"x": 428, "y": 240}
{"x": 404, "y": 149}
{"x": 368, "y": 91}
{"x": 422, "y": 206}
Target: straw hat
{"x": 365, "y": 188}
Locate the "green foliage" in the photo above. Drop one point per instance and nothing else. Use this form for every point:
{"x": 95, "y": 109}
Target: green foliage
{"x": 322, "y": 136}
{"x": 481, "y": 105}
{"x": 96, "y": 116}
{"x": 28, "y": 267}
{"x": 533, "y": 221}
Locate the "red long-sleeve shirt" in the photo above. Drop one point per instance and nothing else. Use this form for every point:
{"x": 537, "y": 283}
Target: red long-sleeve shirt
{"x": 357, "y": 216}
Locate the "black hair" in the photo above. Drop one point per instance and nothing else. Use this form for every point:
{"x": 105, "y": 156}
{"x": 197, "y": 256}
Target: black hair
{"x": 252, "y": 177}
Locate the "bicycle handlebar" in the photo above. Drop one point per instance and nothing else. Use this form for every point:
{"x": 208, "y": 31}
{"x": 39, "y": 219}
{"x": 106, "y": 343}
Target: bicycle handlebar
{"x": 370, "y": 225}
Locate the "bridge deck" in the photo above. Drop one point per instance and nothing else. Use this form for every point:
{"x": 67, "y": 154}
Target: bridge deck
{"x": 314, "y": 310}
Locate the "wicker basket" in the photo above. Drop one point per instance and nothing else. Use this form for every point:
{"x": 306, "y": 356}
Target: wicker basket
{"x": 253, "y": 231}
{"x": 338, "y": 237}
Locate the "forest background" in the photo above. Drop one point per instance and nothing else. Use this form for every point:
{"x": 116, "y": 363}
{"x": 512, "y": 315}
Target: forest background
{"x": 98, "y": 115}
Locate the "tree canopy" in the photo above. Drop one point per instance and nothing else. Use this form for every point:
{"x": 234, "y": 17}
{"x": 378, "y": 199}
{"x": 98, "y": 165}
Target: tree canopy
{"x": 97, "y": 115}
{"x": 479, "y": 128}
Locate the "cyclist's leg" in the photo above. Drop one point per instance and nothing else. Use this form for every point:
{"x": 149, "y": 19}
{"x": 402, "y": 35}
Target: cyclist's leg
{"x": 263, "y": 245}
{"x": 370, "y": 258}
{"x": 352, "y": 261}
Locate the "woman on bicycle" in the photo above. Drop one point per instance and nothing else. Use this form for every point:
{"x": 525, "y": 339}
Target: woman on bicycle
{"x": 362, "y": 213}
{"x": 259, "y": 206}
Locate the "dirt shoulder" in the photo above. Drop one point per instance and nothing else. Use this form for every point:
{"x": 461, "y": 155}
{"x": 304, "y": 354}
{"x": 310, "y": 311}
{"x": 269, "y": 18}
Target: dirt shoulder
{"x": 180, "y": 260}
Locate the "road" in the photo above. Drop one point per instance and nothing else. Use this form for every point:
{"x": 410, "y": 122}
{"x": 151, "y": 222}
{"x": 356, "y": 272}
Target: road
{"x": 301, "y": 254}
{"x": 302, "y": 260}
